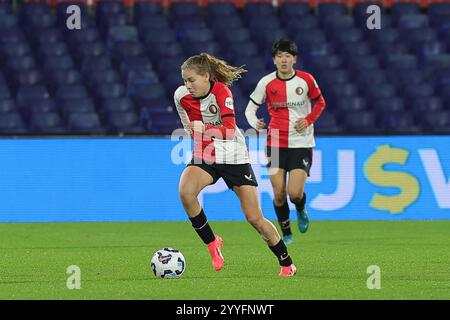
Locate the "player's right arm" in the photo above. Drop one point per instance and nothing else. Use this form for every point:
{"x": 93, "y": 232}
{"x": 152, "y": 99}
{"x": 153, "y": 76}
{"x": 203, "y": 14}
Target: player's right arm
{"x": 182, "y": 112}
{"x": 257, "y": 98}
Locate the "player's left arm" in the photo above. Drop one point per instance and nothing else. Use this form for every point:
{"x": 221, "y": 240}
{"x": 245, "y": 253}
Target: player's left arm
{"x": 316, "y": 97}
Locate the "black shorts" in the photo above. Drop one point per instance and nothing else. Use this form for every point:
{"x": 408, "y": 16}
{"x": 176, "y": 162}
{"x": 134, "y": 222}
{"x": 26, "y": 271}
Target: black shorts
{"x": 233, "y": 174}
{"x": 290, "y": 158}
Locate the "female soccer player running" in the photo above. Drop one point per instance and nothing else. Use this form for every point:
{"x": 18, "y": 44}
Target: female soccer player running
{"x": 288, "y": 93}
{"x": 205, "y": 106}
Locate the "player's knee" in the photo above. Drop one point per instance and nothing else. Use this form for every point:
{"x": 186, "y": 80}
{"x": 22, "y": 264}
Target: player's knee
{"x": 296, "y": 196}
{"x": 254, "y": 219}
{"x": 186, "y": 195}
{"x": 280, "y": 197}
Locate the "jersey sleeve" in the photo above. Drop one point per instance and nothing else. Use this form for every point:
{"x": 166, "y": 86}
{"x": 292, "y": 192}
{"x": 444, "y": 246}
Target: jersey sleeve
{"x": 315, "y": 95}
{"x": 258, "y": 96}
{"x": 181, "y": 112}
{"x": 226, "y": 106}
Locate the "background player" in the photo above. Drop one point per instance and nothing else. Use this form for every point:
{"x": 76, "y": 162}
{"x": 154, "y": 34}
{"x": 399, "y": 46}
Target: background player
{"x": 205, "y": 106}
{"x": 288, "y": 93}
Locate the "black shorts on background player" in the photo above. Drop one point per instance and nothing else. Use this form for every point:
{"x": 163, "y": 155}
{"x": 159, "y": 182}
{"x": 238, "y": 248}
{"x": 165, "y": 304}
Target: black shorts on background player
{"x": 290, "y": 158}
{"x": 233, "y": 174}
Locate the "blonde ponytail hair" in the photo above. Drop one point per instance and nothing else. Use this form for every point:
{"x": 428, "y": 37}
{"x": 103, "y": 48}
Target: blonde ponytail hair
{"x": 217, "y": 69}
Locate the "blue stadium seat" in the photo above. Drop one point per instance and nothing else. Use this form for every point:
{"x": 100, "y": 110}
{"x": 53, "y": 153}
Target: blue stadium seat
{"x": 340, "y": 90}
{"x": 327, "y": 123}
{"x": 58, "y": 63}
{"x": 52, "y": 50}
{"x": 438, "y": 121}
{"x": 306, "y": 23}
{"x": 138, "y": 63}
{"x": 34, "y": 8}
{"x": 412, "y": 21}
{"x": 347, "y": 36}
{"x": 80, "y": 105}
{"x": 158, "y": 37}
{"x": 90, "y": 49}
{"x": 349, "y": 104}
{"x": 142, "y": 10}
{"x": 380, "y": 91}
{"x": 399, "y": 122}
{"x": 85, "y": 122}
{"x": 309, "y": 36}
{"x": 38, "y": 106}
{"x": 414, "y": 39}
{"x": 234, "y": 36}
{"x": 389, "y": 35}
{"x": 18, "y": 49}
{"x": 39, "y": 21}
{"x": 143, "y": 92}
{"x": 4, "y": 92}
{"x": 259, "y": 10}
{"x": 152, "y": 22}
{"x": 348, "y": 50}
{"x": 46, "y": 36}
{"x": 63, "y": 77}
{"x": 165, "y": 51}
{"x": 7, "y": 105}
{"x": 108, "y": 76}
{"x": 77, "y": 37}
{"x": 95, "y": 64}
{"x": 121, "y": 104}
{"x": 290, "y": 11}
{"x": 387, "y": 105}
{"x": 197, "y": 35}
{"x": 50, "y": 122}
{"x": 8, "y": 36}
{"x": 333, "y": 23}
{"x": 359, "y": 122}
{"x": 319, "y": 63}
{"x": 405, "y": 77}
{"x": 411, "y": 91}
{"x": 179, "y": 9}
{"x": 372, "y": 78}
{"x": 76, "y": 91}
{"x": 213, "y": 48}
{"x": 401, "y": 62}
{"x": 220, "y": 9}
{"x": 8, "y": 21}
{"x": 400, "y": 9}
{"x": 363, "y": 63}
{"x": 124, "y": 122}
{"x": 109, "y": 90}
{"x": 30, "y": 76}
{"x": 223, "y": 25}
{"x": 424, "y": 105}
{"x": 309, "y": 50}
{"x": 183, "y": 23}
{"x": 12, "y": 123}
{"x": 22, "y": 63}
{"x": 120, "y": 34}
{"x": 330, "y": 9}
{"x": 26, "y": 93}
{"x": 125, "y": 49}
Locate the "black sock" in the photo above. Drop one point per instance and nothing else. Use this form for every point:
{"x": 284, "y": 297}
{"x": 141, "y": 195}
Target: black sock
{"x": 282, "y": 254}
{"x": 283, "y": 218}
{"x": 300, "y": 205}
{"x": 201, "y": 226}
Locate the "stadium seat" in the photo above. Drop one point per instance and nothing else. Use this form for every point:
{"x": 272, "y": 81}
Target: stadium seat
{"x": 363, "y": 121}
{"x": 152, "y": 22}
{"x": 49, "y": 122}
{"x": 327, "y": 123}
{"x": 85, "y": 123}
{"x": 381, "y": 91}
{"x": 37, "y": 105}
{"x": 306, "y": 23}
{"x": 124, "y": 122}
{"x": 399, "y": 122}
{"x": 7, "y": 105}
{"x": 64, "y": 62}
{"x": 220, "y": 9}
{"x": 290, "y": 11}
{"x": 142, "y": 10}
{"x": 65, "y": 92}
{"x": 348, "y": 104}
{"x": 438, "y": 121}
{"x": 413, "y": 21}
{"x": 12, "y": 123}
{"x": 78, "y": 105}
{"x": 18, "y": 49}
{"x": 26, "y": 93}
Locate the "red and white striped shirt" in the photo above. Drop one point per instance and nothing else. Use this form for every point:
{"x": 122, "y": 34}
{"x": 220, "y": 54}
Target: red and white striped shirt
{"x": 222, "y": 142}
{"x": 287, "y": 101}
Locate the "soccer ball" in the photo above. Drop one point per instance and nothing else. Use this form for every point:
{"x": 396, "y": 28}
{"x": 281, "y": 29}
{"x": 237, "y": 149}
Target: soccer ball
{"x": 168, "y": 263}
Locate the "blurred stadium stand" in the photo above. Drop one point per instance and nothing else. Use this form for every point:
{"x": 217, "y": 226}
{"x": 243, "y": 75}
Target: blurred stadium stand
{"x": 119, "y": 72}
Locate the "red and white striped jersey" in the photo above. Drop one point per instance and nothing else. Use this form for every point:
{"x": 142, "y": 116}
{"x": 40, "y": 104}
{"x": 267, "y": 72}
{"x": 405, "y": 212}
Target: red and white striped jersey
{"x": 222, "y": 142}
{"x": 287, "y": 101}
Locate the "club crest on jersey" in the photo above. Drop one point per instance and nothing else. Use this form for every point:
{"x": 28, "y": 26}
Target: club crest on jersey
{"x": 213, "y": 109}
{"x": 273, "y": 92}
{"x": 299, "y": 91}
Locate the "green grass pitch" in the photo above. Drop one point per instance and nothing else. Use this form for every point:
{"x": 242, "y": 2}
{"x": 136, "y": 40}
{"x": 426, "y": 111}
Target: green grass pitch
{"x": 332, "y": 260}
